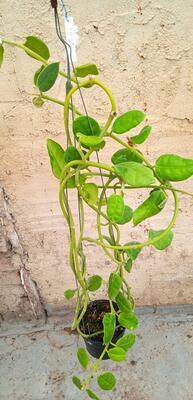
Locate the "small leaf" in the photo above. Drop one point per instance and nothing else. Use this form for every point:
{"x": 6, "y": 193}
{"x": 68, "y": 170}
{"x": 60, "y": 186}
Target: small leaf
{"x": 77, "y": 382}
{"x": 92, "y": 395}
{"x": 153, "y": 205}
{"x": 128, "y": 320}
{"x": 47, "y": 77}
{"x": 123, "y": 303}
{"x": 68, "y": 294}
{"x": 37, "y": 73}
{"x": 132, "y": 253}
{"x": 106, "y": 381}
{"x": 94, "y": 142}
{"x": 83, "y": 357}
{"x": 38, "y": 46}
{"x": 128, "y": 121}
{"x": 1, "y": 54}
{"x": 127, "y": 216}
{"x": 109, "y": 324}
{"x": 127, "y": 341}
{"x": 94, "y": 283}
{"x": 72, "y": 154}
{"x": 57, "y": 157}
{"x": 117, "y": 354}
{"x": 115, "y": 283}
{"x": 87, "y": 126}
{"x": 142, "y": 136}
{"x": 90, "y": 193}
{"x": 128, "y": 265}
{"x": 37, "y": 101}
{"x": 115, "y": 207}
{"x": 163, "y": 243}
{"x": 134, "y": 174}
{"x": 124, "y": 155}
{"x": 174, "y": 168}
{"x": 86, "y": 69}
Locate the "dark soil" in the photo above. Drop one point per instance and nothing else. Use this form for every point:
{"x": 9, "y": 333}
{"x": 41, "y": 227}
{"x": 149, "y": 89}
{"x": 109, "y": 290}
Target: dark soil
{"x": 93, "y": 319}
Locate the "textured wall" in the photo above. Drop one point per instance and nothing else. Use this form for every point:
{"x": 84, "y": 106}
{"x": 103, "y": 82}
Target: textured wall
{"x": 145, "y": 52}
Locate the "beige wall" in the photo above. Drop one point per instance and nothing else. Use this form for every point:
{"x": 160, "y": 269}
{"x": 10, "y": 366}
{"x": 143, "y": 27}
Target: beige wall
{"x": 144, "y": 50}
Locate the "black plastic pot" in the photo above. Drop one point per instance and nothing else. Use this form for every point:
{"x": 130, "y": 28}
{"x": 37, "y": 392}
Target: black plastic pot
{"x": 95, "y": 346}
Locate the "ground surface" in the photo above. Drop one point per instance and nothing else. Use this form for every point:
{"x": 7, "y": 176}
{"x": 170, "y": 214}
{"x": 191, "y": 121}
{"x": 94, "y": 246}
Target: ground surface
{"x": 37, "y": 360}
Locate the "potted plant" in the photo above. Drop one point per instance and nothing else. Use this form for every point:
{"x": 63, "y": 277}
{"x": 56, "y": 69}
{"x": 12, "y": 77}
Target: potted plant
{"x": 102, "y": 323}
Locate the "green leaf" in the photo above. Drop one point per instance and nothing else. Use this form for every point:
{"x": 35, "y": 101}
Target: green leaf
{"x": 106, "y": 381}
{"x": 92, "y": 395}
{"x": 77, "y": 382}
{"x": 132, "y": 253}
{"x": 96, "y": 143}
{"x": 127, "y": 341}
{"x": 142, "y": 136}
{"x": 94, "y": 283}
{"x": 57, "y": 157}
{"x": 115, "y": 283}
{"x": 68, "y": 294}
{"x": 37, "y": 73}
{"x": 174, "y": 168}
{"x": 83, "y": 357}
{"x": 72, "y": 154}
{"x": 124, "y": 155}
{"x": 1, "y": 54}
{"x": 37, "y": 101}
{"x": 153, "y": 205}
{"x": 47, "y": 77}
{"x": 134, "y": 174}
{"x": 109, "y": 324}
{"x": 128, "y": 265}
{"x": 86, "y": 69}
{"x": 127, "y": 216}
{"x": 115, "y": 207}
{"x": 123, "y": 303}
{"x": 38, "y": 46}
{"x": 117, "y": 354}
{"x": 163, "y": 243}
{"x": 128, "y": 121}
{"x": 128, "y": 320}
{"x": 87, "y": 126}
{"x": 90, "y": 193}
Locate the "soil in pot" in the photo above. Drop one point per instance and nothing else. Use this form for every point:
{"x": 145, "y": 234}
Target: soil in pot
{"x": 93, "y": 322}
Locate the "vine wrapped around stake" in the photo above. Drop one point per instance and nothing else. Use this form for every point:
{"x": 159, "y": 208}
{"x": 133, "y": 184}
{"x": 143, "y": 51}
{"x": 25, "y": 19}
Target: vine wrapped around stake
{"x": 129, "y": 170}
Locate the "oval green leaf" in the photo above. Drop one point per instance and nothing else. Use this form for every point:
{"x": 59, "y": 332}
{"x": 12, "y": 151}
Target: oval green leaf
{"x": 90, "y": 193}
{"x": 127, "y": 216}
{"x": 142, "y": 136}
{"x": 37, "y": 73}
{"x": 115, "y": 207}
{"x": 85, "y": 70}
{"x": 38, "y": 46}
{"x": 94, "y": 283}
{"x": 83, "y": 357}
{"x": 77, "y": 382}
{"x": 153, "y": 205}
{"x": 123, "y": 303}
{"x": 132, "y": 253}
{"x": 57, "y": 157}
{"x": 174, "y": 168}
{"x": 87, "y": 126}
{"x": 94, "y": 142}
{"x": 47, "y": 77}
{"x": 115, "y": 283}
{"x": 109, "y": 324}
{"x": 69, "y": 294}
{"x": 72, "y": 154}
{"x": 127, "y": 341}
{"x": 124, "y": 155}
{"x": 128, "y": 320}
{"x": 128, "y": 121}
{"x": 134, "y": 174}
{"x": 117, "y": 354}
{"x": 92, "y": 395}
{"x": 1, "y": 54}
{"x": 163, "y": 243}
{"x": 106, "y": 381}
{"x": 128, "y": 265}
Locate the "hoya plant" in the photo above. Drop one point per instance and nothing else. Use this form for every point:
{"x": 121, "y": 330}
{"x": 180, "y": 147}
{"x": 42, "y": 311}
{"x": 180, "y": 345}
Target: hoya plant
{"x": 103, "y": 187}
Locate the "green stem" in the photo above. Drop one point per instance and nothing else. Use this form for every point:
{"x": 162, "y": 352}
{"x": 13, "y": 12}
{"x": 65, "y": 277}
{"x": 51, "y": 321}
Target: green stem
{"x": 95, "y": 367}
{"x": 61, "y": 103}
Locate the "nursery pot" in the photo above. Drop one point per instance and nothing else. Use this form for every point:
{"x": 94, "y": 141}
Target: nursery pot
{"x": 95, "y": 344}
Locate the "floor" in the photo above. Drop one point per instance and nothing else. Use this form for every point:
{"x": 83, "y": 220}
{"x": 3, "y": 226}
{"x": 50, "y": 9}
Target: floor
{"x": 37, "y": 360}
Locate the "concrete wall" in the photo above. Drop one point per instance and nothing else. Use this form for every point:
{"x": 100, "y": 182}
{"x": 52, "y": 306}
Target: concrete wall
{"x": 144, "y": 50}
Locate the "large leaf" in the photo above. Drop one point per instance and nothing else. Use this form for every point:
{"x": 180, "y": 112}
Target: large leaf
{"x": 163, "y": 243}
{"x": 72, "y": 154}
{"x": 124, "y": 155}
{"x": 115, "y": 283}
{"x": 153, "y": 205}
{"x": 134, "y": 174}
{"x": 115, "y": 207}
{"x": 109, "y": 324}
{"x": 90, "y": 193}
{"x": 127, "y": 341}
{"x": 77, "y": 382}
{"x": 142, "y": 136}
{"x": 132, "y": 253}
{"x": 1, "y": 54}
{"x": 128, "y": 121}
{"x": 87, "y": 126}
{"x": 174, "y": 168}
{"x": 37, "y": 73}
{"x": 38, "y": 46}
{"x": 94, "y": 142}
{"x": 69, "y": 294}
{"x": 47, "y": 77}
{"x": 86, "y": 69}
{"x": 127, "y": 216}
{"x": 57, "y": 157}
{"x": 128, "y": 320}
{"x": 94, "y": 283}
{"x": 106, "y": 381}
{"x": 83, "y": 357}
{"x": 123, "y": 303}
{"x": 117, "y": 354}
{"x": 92, "y": 395}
